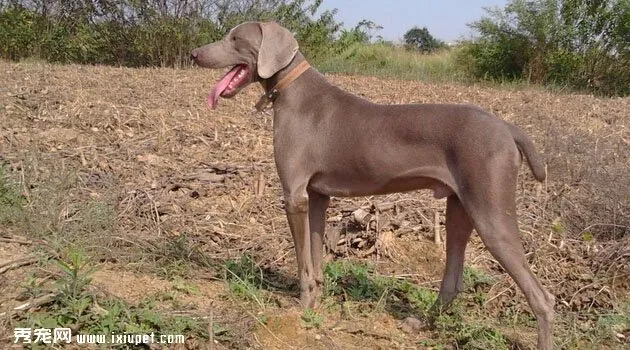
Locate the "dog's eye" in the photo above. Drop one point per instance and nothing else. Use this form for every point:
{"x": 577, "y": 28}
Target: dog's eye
{"x": 233, "y": 38}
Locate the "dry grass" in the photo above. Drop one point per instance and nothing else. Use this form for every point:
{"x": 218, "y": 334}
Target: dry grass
{"x": 131, "y": 165}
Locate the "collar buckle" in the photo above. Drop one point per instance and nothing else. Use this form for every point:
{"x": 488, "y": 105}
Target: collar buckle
{"x": 272, "y": 94}
{"x": 269, "y": 97}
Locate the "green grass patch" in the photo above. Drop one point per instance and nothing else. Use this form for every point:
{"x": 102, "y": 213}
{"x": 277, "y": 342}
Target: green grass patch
{"x": 76, "y": 232}
{"x": 479, "y": 331}
{"x": 177, "y": 258}
{"x": 12, "y": 202}
{"x": 474, "y": 278}
{"x": 387, "y": 61}
{"x": 616, "y": 323}
{"x": 479, "y": 337}
{"x": 612, "y": 327}
{"x": 357, "y": 283}
{"x": 476, "y": 281}
{"x": 245, "y": 280}
{"x": 85, "y": 311}
{"x": 311, "y": 319}
{"x": 476, "y": 334}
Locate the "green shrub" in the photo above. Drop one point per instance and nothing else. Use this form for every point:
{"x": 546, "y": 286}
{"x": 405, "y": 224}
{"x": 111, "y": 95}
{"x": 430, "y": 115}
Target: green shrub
{"x": 19, "y": 30}
{"x": 576, "y": 43}
{"x": 135, "y": 33}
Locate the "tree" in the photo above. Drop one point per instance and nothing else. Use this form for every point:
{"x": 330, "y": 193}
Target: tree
{"x": 149, "y": 32}
{"x": 360, "y": 34}
{"x": 579, "y": 43}
{"x": 420, "y": 39}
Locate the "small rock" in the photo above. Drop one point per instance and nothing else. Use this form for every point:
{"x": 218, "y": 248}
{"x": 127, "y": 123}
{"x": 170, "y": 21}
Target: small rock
{"x": 411, "y": 325}
{"x": 336, "y": 218}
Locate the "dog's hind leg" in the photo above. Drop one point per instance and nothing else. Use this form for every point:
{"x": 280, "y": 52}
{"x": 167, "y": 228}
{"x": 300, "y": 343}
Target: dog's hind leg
{"x": 493, "y": 212}
{"x": 458, "y": 230}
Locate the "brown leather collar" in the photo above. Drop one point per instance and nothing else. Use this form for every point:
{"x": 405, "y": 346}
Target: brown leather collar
{"x": 273, "y": 93}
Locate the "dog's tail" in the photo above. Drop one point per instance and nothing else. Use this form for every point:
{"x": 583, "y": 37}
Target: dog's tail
{"x": 526, "y": 146}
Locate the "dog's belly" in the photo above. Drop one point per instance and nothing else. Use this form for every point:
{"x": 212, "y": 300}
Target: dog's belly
{"x": 353, "y": 187}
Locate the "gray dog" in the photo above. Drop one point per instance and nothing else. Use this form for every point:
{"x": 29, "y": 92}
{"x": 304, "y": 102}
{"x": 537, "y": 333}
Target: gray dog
{"x": 460, "y": 152}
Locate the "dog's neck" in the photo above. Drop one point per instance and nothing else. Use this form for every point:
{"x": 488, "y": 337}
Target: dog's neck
{"x": 273, "y": 81}
{"x": 280, "y": 81}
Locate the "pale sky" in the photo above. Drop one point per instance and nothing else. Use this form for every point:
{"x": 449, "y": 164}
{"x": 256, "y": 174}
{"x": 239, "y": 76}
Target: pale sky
{"x": 445, "y": 19}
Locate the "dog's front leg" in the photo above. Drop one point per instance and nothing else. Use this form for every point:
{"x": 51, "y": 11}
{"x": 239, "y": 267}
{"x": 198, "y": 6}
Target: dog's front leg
{"x": 317, "y": 205}
{"x": 296, "y": 205}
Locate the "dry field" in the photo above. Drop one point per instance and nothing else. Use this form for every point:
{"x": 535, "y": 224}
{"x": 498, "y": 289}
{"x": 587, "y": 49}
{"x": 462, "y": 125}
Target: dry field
{"x": 121, "y": 187}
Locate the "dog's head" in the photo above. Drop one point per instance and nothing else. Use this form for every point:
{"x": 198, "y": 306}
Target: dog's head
{"x": 254, "y": 51}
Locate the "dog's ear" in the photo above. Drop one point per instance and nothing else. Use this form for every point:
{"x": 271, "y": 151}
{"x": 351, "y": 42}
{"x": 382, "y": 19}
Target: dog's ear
{"x": 277, "y": 49}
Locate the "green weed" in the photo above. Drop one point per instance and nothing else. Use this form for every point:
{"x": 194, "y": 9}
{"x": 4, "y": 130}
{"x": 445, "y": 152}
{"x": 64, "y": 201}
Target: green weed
{"x": 11, "y": 201}
{"x": 479, "y": 337}
{"x": 420, "y": 298}
{"x": 182, "y": 286}
{"x": 616, "y": 323}
{"x": 245, "y": 279}
{"x": 474, "y": 278}
{"x": 77, "y": 306}
{"x": 358, "y": 283}
{"x": 178, "y": 258}
{"x": 353, "y": 280}
{"x": 311, "y": 319}
{"x": 474, "y": 281}
{"x": 466, "y": 335}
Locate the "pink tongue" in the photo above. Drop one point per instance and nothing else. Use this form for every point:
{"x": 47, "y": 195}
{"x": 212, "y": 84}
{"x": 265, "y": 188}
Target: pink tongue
{"x": 222, "y": 84}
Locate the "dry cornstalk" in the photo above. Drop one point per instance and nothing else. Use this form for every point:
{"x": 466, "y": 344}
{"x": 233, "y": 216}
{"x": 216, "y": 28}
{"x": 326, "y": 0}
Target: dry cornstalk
{"x": 260, "y": 185}
{"x": 15, "y": 240}
{"x": 436, "y": 228}
{"x": 16, "y": 263}
{"x": 43, "y": 300}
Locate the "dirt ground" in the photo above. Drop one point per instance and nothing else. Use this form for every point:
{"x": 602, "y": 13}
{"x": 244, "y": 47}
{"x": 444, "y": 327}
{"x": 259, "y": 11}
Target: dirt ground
{"x": 138, "y": 158}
